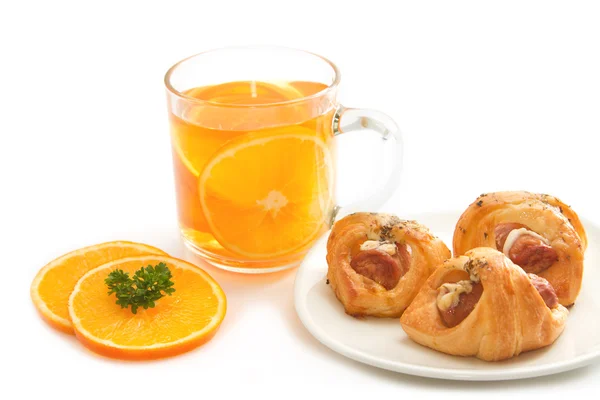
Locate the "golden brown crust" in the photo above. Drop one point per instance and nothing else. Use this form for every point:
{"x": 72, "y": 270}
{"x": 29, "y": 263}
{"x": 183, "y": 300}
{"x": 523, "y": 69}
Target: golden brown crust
{"x": 541, "y": 213}
{"x": 362, "y": 296}
{"x": 510, "y": 317}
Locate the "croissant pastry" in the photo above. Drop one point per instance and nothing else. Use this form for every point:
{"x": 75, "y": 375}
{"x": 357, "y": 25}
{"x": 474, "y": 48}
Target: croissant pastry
{"x": 482, "y": 304}
{"x": 538, "y": 232}
{"x": 378, "y": 262}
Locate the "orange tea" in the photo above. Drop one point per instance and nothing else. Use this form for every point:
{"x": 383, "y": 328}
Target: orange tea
{"x": 254, "y": 170}
{"x": 252, "y": 132}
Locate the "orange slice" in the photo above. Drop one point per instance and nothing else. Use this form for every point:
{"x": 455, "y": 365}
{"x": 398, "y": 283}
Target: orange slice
{"x": 188, "y": 207}
{"x": 178, "y": 323}
{"x": 247, "y": 92}
{"x": 194, "y": 145}
{"x": 54, "y": 283}
{"x": 268, "y": 195}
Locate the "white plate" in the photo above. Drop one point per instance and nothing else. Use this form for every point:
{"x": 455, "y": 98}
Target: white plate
{"x": 382, "y": 342}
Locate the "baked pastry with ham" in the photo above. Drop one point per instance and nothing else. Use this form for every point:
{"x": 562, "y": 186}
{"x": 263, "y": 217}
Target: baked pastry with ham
{"x": 481, "y": 304}
{"x": 538, "y": 232}
{"x": 378, "y": 262}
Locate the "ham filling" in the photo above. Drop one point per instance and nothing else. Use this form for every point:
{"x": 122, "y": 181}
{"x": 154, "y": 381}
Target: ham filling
{"x": 455, "y": 301}
{"x": 526, "y": 248}
{"x": 382, "y": 262}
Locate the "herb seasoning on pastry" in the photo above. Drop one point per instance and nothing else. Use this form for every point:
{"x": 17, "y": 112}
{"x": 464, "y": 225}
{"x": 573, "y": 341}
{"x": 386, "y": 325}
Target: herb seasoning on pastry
{"x": 481, "y": 304}
{"x": 538, "y": 232}
{"x": 378, "y": 262}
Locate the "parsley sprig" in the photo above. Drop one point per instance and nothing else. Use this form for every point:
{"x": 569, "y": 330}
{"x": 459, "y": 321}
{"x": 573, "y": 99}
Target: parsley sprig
{"x": 147, "y": 285}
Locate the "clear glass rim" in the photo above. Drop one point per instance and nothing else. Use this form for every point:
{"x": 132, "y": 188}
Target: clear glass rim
{"x": 183, "y": 96}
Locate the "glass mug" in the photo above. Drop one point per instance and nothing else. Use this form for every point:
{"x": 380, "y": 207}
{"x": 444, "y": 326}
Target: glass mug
{"x": 253, "y": 138}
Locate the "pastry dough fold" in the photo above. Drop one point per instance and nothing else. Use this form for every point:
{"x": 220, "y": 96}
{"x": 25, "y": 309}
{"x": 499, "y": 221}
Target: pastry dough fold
{"x": 510, "y": 317}
{"x": 363, "y": 296}
{"x": 555, "y": 223}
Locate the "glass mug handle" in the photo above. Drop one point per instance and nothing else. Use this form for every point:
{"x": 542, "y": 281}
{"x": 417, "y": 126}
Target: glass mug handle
{"x": 357, "y": 119}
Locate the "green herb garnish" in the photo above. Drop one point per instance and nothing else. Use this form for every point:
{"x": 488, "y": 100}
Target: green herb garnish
{"x": 147, "y": 285}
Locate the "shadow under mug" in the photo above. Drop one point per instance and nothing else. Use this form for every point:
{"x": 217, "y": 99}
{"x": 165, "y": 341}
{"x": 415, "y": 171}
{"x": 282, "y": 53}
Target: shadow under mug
{"x": 253, "y": 133}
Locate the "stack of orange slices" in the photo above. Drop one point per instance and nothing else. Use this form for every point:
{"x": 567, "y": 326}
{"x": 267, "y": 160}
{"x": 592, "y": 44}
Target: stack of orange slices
{"x": 71, "y": 295}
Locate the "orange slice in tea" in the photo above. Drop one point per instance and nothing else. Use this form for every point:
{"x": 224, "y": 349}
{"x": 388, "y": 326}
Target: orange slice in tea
{"x": 186, "y": 186}
{"x": 247, "y": 92}
{"x": 177, "y": 323}
{"x": 194, "y": 145}
{"x": 268, "y": 195}
{"x": 54, "y": 283}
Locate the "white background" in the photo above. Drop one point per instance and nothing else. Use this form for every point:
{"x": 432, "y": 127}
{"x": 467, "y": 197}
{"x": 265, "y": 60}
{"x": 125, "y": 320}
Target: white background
{"x": 490, "y": 96}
